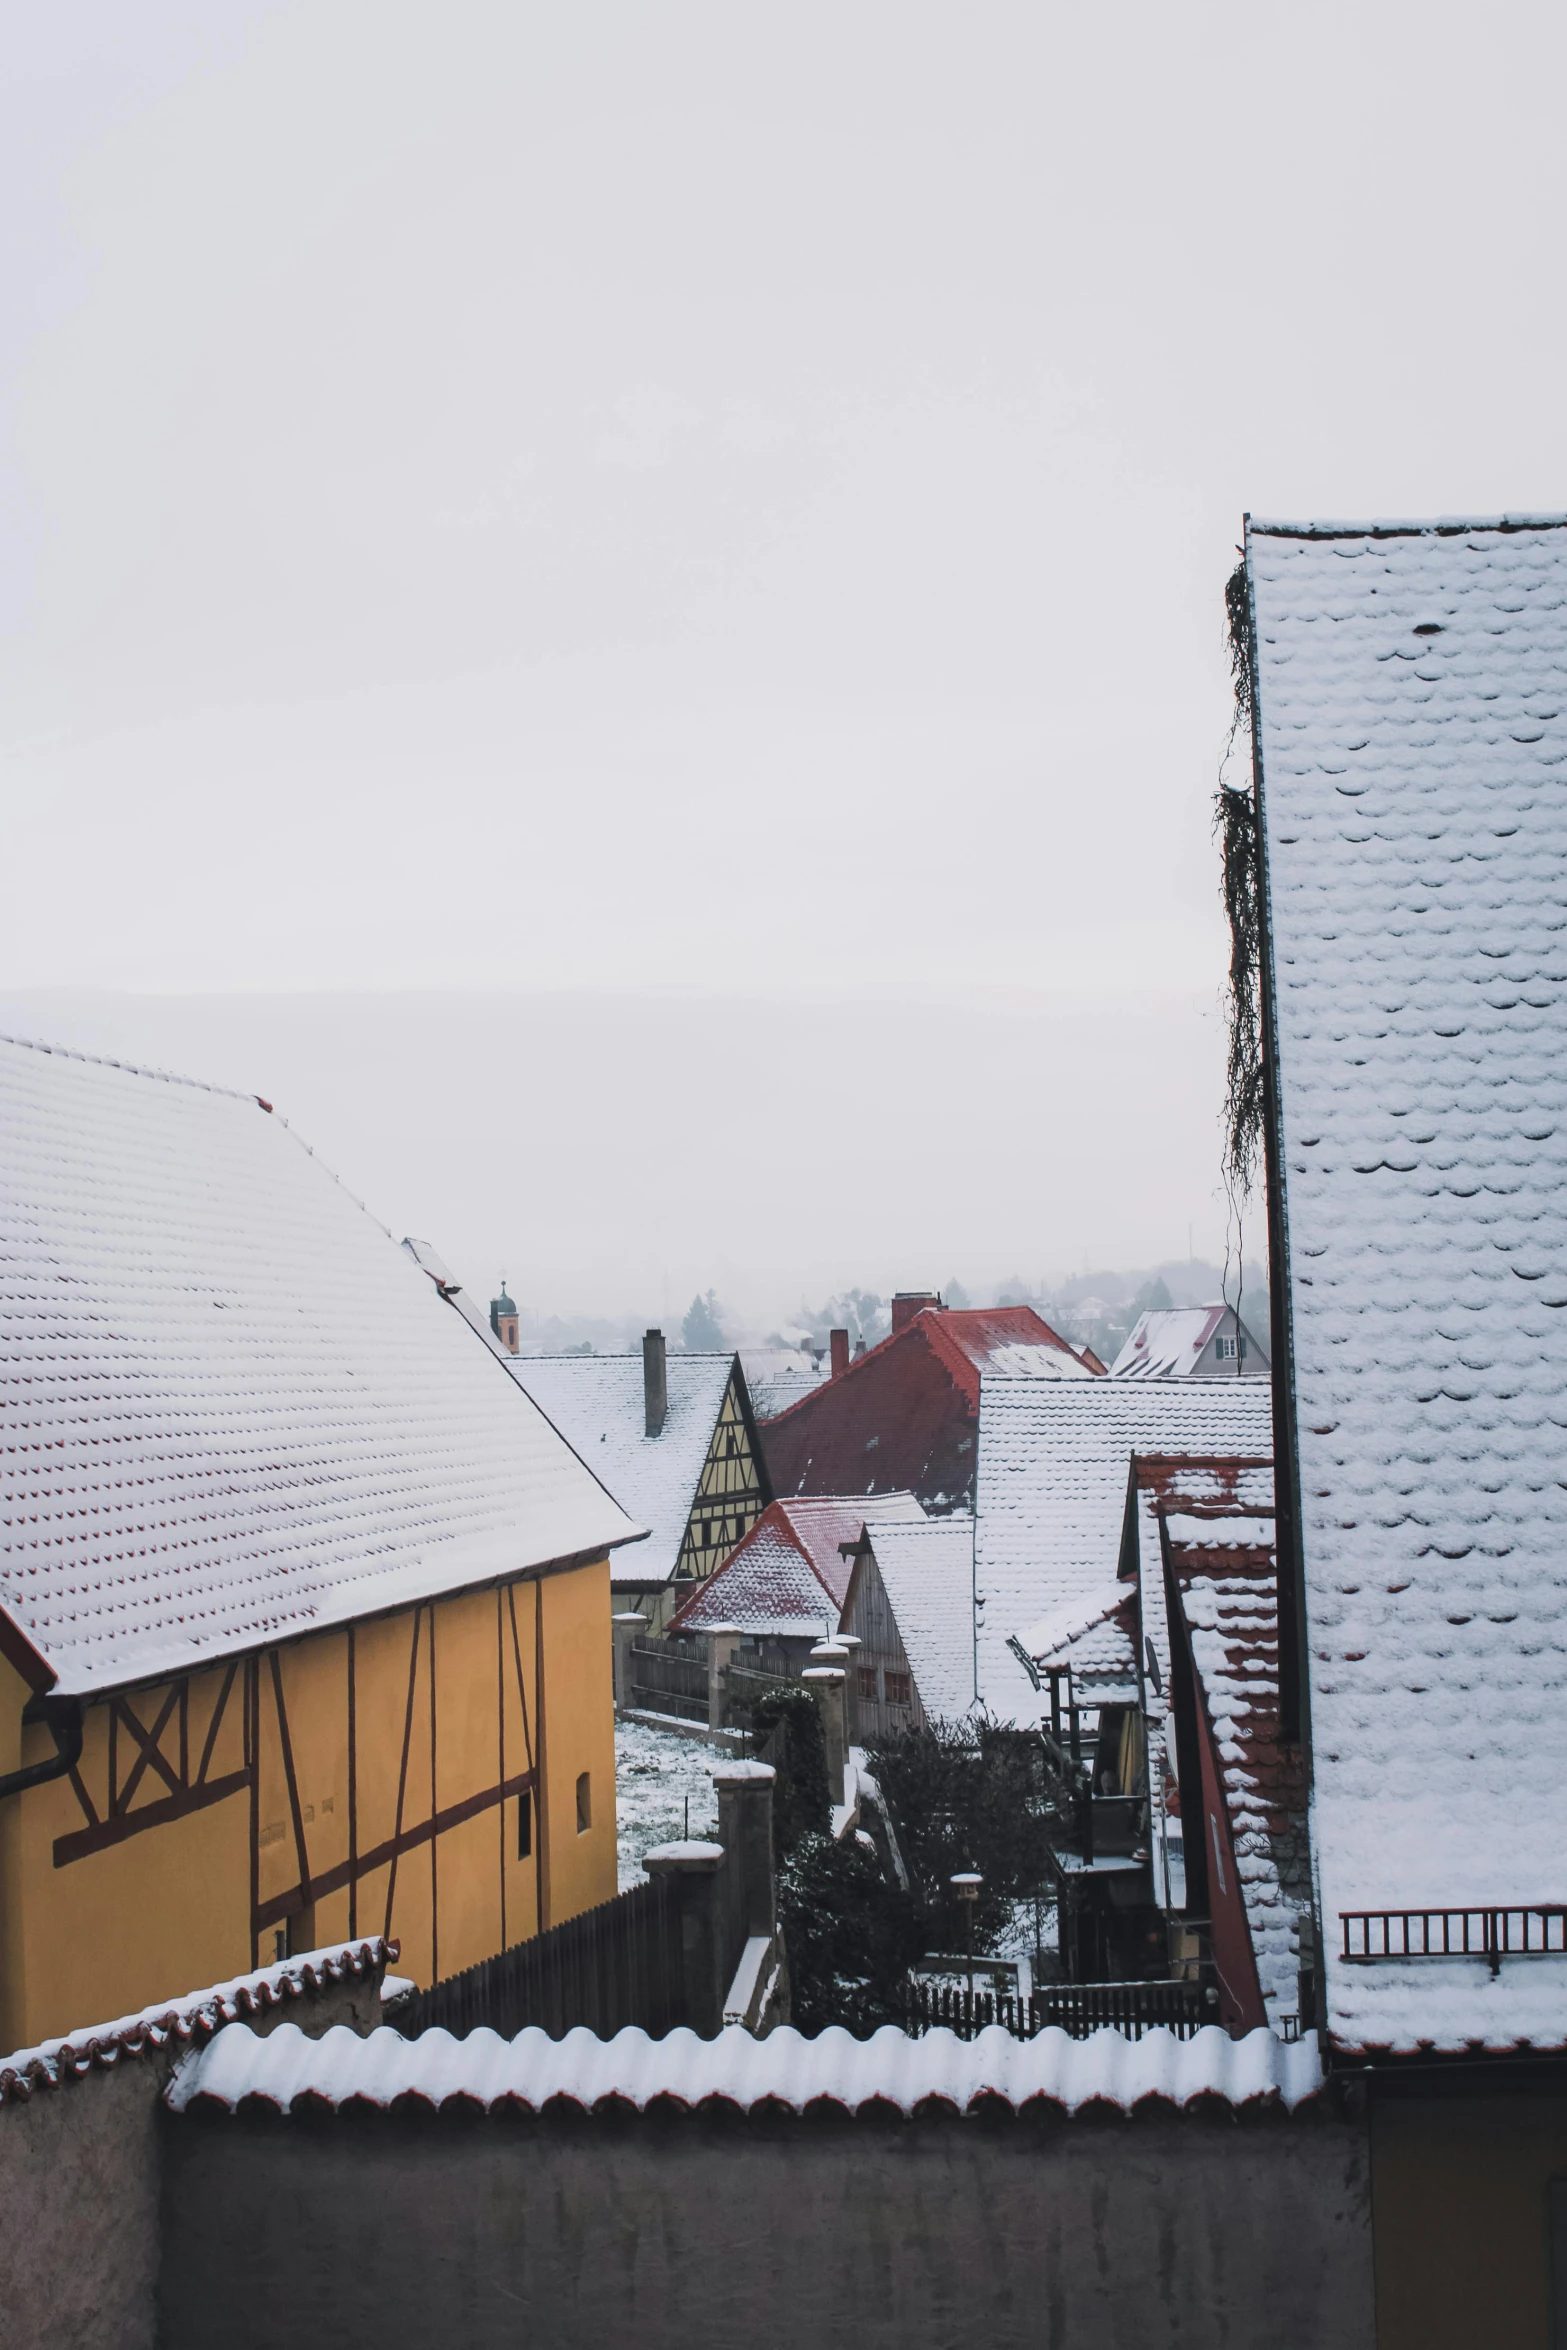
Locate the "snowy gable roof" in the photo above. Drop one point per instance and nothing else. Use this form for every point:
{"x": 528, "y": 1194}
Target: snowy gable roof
{"x": 927, "y": 1568}
{"x": 1054, "y": 1462}
{"x": 1099, "y": 1649}
{"x": 599, "y": 1404}
{"x": 234, "y": 1407}
{"x": 788, "y": 1575}
{"x": 1411, "y": 689}
{"x": 1170, "y": 1344}
{"x": 1224, "y": 1570}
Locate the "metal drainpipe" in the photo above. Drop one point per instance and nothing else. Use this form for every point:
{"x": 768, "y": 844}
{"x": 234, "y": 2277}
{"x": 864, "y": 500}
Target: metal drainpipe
{"x": 63, "y": 1715}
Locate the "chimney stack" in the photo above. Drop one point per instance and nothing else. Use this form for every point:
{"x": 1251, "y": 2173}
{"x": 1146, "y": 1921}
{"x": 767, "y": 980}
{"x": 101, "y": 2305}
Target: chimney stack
{"x": 910, "y": 1302}
{"x": 655, "y": 1382}
{"x": 838, "y": 1340}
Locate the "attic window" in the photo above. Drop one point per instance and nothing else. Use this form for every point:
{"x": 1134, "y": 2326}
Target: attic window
{"x": 1232, "y": 1350}
{"x": 871, "y": 1443}
{"x": 1428, "y": 628}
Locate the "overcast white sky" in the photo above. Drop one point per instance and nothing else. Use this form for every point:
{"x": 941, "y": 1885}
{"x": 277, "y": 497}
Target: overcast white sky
{"x": 601, "y": 527}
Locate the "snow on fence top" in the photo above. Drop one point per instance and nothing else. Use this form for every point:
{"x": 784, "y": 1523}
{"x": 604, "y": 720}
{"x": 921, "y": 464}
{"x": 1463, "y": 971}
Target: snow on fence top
{"x": 891, "y": 2070}
{"x": 194, "y": 2016}
{"x": 1411, "y": 699}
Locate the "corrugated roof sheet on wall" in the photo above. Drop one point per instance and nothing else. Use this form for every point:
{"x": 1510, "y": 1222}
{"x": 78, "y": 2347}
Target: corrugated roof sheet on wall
{"x": 887, "y": 2071}
{"x": 1412, "y": 698}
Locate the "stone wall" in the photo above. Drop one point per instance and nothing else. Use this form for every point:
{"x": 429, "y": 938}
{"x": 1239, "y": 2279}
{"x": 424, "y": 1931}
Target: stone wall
{"x": 704, "y": 2231}
{"x": 81, "y": 2183}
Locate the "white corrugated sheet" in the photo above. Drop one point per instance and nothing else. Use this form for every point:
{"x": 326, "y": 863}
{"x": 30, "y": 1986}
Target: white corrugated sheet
{"x": 234, "y": 1408}
{"x": 785, "y": 2067}
{"x": 192, "y": 2014}
{"x": 1413, "y": 738}
{"x": 927, "y": 1566}
{"x": 1052, "y": 1480}
{"x": 598, "y": 1403}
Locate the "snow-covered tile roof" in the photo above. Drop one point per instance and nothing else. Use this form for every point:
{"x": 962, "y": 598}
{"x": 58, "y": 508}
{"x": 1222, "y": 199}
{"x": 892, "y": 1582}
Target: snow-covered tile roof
{"x": 1101, "y": 1654}
{"x": 1412, "y": 716}
{"x": 788, "y": 1575}
{"x": 195, "y": 2015}
{"x": 1225, "y": 1571}
{"x": 927, "y": 1566}
{"x": 1168, "y": 1344}
{"x": 233, "y": 1407}
{"x": 598, "y": 1402}
{"x": 785, "y": 2069}
{"x": 1054, "y": 1462}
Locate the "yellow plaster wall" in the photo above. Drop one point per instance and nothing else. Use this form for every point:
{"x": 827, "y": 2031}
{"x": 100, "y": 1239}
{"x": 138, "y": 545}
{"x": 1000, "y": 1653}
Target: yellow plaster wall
{"x": 168, "y": 1909}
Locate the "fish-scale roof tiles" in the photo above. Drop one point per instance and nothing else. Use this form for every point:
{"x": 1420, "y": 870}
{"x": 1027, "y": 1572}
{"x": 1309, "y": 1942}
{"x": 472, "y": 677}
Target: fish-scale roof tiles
{"x": 232, "y": 1408}
{"x": 1411, "y": 690}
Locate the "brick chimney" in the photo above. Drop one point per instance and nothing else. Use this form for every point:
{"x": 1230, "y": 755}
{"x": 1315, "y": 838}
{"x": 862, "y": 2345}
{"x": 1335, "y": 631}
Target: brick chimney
{"x": 910, "y": 1302}
{"x": 838, "y": 1340}
{"x": 655, "y": 1382}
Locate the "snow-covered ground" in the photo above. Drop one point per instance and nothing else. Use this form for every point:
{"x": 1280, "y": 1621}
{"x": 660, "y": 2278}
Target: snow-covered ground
{"x": 656, "y": 1773}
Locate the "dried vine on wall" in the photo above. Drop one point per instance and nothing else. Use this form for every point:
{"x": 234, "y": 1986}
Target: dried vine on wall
{"x": 1235, "y": 822}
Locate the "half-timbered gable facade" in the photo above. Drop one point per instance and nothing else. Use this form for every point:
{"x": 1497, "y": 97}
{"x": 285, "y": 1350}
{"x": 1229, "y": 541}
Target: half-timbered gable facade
{"x": 303, "y": 1605}
{"x": 673, "y": 1438}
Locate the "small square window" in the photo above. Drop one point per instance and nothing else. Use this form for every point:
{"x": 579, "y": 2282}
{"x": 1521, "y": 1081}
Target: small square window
{"x": 897, "y": 1688}
{"x": 584, "y": 1802}
{"x": 868, "y": 1689}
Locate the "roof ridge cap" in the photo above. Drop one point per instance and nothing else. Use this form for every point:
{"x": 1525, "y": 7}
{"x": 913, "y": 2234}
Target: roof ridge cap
{"x": 71, "y": 1052}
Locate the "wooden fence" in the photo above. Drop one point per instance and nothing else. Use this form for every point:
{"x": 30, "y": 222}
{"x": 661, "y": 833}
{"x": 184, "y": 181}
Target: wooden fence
{"x": 619, "y": 1964}
{"x": 668, "y": 1680}
{"x": 1074, "y": 2008}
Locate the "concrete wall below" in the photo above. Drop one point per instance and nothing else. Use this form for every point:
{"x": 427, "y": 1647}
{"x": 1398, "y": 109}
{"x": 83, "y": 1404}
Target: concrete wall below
{"x": 81, "y": 2188}
{"x": 700, "y": 2231}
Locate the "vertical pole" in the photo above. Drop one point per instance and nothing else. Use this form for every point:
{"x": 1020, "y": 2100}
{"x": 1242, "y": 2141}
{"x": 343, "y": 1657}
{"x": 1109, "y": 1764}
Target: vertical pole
{"x": 435, "y": 1929}
{"x": 252, "y": 1718}
{"x": 500, "y": 1723}
{"x": 353, "y": 1792}
{"x": 541, "y": 1871}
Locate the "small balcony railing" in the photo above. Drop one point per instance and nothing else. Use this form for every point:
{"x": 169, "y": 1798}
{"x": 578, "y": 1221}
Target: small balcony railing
{"x": 1375, "y": 1936}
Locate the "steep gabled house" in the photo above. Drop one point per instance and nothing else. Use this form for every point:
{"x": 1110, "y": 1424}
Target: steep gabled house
{"x": 785, "y": 1583}
{"x": 910, "y": 1606}
{"x": 1191, "y": 1342}
{"x": 1407, "y": 830}
{"x": 673, "y": 1438}
{"x": 1053, "y": 1469}
{"x": 304, "y": 1607}
{"x": 904, "y": 1417}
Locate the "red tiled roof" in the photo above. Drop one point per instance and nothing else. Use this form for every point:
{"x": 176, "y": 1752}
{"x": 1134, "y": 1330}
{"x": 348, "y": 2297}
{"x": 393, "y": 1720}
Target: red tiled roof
{"x": 902, "y": 1418}
{"x": 787, "y": 1569}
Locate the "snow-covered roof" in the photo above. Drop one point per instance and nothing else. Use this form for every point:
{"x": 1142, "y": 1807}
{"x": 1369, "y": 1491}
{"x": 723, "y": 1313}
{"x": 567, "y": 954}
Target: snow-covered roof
{"x": 1225, "y": 1571}
{"x": 1054, "y": 1462}
{"x": 1169, "y": 1344}
{"x": 234, "y": 1407}
{"x": 599, "y": 1404}
{"x": 788, "y": 1575}
{"x": 785, "y": 2069}
{"x": 1101, "y": 1653}
{"x": 195, "y": 2015}
{"x": 1412, "y": 715}
{"x": 927, "y": 1567}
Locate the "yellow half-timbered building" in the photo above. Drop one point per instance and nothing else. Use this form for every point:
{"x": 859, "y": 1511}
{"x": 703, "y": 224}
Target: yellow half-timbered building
{"x": 674, "y": 1438}
{"x": 304, "y": 1606}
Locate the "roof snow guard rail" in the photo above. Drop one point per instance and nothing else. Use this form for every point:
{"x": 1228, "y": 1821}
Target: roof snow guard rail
{"x": 196, "y": 2017}
{"x": 1535, "y": 1930}
{"x": 885, "y": 2074}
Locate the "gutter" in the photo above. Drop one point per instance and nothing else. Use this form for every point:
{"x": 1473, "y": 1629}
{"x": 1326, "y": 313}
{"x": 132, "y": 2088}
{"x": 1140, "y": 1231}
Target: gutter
{"x": 63, "y": 1717}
